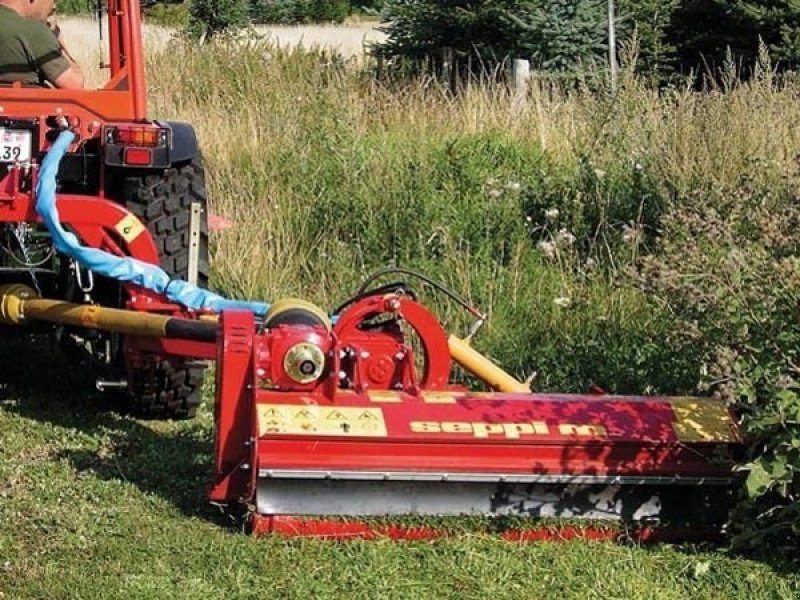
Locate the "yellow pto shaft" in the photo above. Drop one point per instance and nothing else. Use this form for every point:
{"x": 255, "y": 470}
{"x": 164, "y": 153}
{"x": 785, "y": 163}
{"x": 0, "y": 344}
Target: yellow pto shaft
{"x": 483, "y": 368}
{"x": 20, "y": 304}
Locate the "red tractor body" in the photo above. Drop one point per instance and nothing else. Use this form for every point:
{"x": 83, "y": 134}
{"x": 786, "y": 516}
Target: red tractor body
{"x": 129, "y": 186}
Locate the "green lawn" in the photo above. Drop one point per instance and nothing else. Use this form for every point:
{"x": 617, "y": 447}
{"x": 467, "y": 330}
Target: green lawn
{"x": 98, "y": 505}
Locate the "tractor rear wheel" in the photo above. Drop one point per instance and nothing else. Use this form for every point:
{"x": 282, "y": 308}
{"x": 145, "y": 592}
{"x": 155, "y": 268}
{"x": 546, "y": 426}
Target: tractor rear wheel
{"x": 164, "y": 202}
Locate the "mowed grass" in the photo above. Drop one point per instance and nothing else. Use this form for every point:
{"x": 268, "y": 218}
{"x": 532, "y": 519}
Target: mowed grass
{"x": 98, "y": 505}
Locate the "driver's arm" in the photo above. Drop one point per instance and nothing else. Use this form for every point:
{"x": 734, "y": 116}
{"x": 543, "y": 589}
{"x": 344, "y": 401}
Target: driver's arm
{"x": 53, "y": 61}
{"x": 71, "y": 79}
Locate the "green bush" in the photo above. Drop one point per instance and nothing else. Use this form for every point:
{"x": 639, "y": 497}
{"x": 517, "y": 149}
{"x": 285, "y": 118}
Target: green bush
{"x": 709, "y": 33}
{"x": 369, "y": 6}
{"x": 727, "y": 267}
{"x": 643, "y": 30}
{"x": 333, "y": 11}
{"x": 167, "y": 15}
{"x": 277, "y": 11}
{"x": 208, "y": 18}
{"x": 419, "y": 30}
{"x": 458, "y": 208}
{"x": 74, "y": 7}
{"x": 666, "y": 37}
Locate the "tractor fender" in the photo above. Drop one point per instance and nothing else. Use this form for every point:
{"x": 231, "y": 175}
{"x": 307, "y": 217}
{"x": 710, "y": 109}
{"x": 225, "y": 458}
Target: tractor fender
{"x": 184, "y": 142}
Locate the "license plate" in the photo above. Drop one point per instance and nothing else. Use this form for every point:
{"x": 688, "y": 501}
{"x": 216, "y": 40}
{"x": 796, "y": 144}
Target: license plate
{"x": 15, "y": 145}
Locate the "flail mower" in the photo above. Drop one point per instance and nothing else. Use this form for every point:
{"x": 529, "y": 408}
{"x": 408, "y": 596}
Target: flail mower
{"x": 324, "y": 421}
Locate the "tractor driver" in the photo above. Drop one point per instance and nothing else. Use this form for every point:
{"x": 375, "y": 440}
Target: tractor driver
{"x": 31, "y": 51}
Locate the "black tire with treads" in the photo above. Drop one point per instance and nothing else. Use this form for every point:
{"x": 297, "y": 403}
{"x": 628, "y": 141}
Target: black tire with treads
{"x": 162, "y": 201}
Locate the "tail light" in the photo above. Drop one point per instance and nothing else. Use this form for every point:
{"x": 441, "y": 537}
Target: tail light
{"x": 132, "y": 135}
{"x": 136, "y": 145}
{"x": 138, "y": 156}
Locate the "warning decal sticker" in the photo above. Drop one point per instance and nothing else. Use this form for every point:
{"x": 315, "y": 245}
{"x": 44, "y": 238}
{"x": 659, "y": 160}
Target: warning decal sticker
{"x": 129, "y": 228}
{"x": 284, "y": 419}
{"x": 701, "y": 420}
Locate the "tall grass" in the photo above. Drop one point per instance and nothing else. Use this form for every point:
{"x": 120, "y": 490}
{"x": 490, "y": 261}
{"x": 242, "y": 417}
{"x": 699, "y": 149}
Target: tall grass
{"x": 329, "y": 174}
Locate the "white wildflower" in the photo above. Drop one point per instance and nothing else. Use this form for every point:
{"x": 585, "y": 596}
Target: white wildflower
{"x": 563, "y": 301}
{"x": 494, "y": 194}
{"x": 513, "y": 186}
{"x": 564, "y": 238}
{"x": 547, "y": 248}
{"x": 631, "y": 234}
{"x": 551, "y": 214}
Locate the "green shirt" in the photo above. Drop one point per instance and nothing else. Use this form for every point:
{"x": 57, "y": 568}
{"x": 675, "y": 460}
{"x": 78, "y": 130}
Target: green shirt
{"x": 29, "y": 52}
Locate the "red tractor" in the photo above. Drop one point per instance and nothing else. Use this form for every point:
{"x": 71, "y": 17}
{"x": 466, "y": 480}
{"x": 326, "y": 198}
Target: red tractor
{"x": 130, "y": 186}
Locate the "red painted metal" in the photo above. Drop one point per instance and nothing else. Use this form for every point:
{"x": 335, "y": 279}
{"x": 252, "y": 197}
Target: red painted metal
{"x": 299, "y": 527}
{"x": 135, "y": 57}
{"x": 94, "y": 220}
{"x": 234, "y": 454}
{"x": 123, "y": 98}
{"x": 339, "y": 530}
{"x": 503, "y": 433}
{"x": 524, "y": 457}
{"x": 169, "y": 347}
{"x": 280, "y": 341}
{"x": 444, "y": 430}
{"x": 368, "y": 357}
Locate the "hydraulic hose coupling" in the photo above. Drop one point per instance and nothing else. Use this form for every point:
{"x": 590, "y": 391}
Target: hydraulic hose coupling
{"x": 12, "y": 302}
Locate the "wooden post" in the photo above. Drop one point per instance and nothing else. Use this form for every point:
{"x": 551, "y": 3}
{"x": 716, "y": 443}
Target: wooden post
{"x": 447, "y": 67}
{"x": 520, "y": 83}
{"x": 379, "y": 70}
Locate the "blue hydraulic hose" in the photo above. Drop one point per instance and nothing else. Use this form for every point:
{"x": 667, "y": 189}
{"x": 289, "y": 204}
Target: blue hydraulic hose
{"x": 124, "y": 269}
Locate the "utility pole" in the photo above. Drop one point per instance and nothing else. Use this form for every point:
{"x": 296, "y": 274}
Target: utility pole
{"x": 612, "y": 46}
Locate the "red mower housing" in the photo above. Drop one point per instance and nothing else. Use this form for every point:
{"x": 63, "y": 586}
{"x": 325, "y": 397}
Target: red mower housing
{"x": 380, "y": 433}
